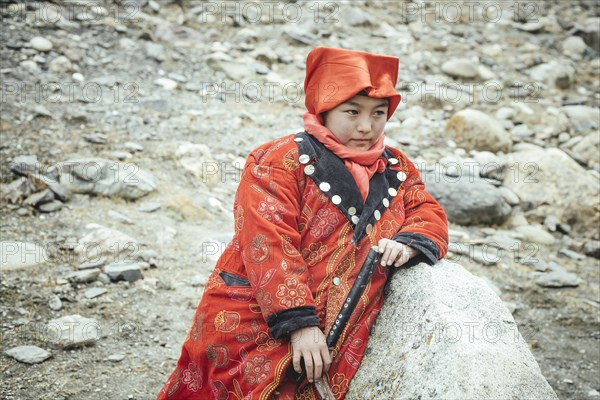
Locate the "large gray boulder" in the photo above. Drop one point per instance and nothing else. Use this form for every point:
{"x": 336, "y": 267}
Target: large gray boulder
{"x": 468, "y": 200}
{"x": 444, "y": 334}
{"x": 552, "y": 183}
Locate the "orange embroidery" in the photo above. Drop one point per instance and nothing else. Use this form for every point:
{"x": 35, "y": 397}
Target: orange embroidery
{"x": 226, "y": 321}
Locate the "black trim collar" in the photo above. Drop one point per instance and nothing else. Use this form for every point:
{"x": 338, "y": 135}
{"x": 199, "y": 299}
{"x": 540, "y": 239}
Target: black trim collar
{"x": 332, "y": 177}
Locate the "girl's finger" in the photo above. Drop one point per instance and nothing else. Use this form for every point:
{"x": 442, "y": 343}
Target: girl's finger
{"x": 296, "y": 362}
{"x": 326, "y": 359}
{"x": 394, "y": 252}
{"x": 383, "y": 247}
{"x": 382, "y": 244}
{"x": 308, "y": 364}
{"x": 402, "y": 260}
{"x": 318, "y": 364}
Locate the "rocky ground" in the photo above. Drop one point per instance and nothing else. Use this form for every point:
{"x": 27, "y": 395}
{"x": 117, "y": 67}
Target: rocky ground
{"x": 125, "y": 125}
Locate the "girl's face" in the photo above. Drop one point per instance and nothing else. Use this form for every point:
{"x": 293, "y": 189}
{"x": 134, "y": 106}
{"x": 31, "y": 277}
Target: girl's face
{"x": 358, "y": 122}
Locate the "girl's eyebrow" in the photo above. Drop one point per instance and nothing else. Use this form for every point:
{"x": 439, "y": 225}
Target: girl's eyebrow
{"x": 352, "y": 103}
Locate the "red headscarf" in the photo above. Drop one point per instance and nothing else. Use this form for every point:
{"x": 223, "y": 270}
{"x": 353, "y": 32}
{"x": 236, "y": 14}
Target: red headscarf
{"x": 336, "y": 75}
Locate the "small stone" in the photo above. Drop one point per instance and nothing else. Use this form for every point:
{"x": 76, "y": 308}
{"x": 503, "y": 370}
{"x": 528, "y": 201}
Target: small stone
{"x": 149, "y": 207}
{"x": 166, "y": 83}
{"x": 94, "y": 292}
{"x": 133, "y": 147}
{"x": 592, "y": 248}
{"x": 261, "y": 69}
{"x": 41, "y": 44}
{"x": 535, "y": 234}
{"x": 24, "y": 165}
{"x": 51, "y": 206}
{"x": 84, "y": 276}
{"x": 557, "y": 279}
{"x": 96, "y": 138}
{"x": 92, "y": 264}
{"x": 121, "y": 155}
{"x": 28, "y": 354}
{"x": 39, "y": 198}
{"x": 594, "y": 393}
{"x": 509, "y": 196}
{"x": 116, "y": 357}
{"x": 61, "y": 64}
{"x": 571, "y": 254}
{"x": 505, "y": 113}
{"x": 54, "y": 303}
{"x": 72, "y": 331}
{"x": 573, "y": 46}
{"x": 551, "y": 222}
{"x": 460, "y": 68}
{"x": 123, "y": 271}
{"x": 119, "y": 217}
{"x": 177, "y": 77}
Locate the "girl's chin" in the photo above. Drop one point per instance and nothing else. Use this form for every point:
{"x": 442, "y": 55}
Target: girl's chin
{"x": 359, "y": 145}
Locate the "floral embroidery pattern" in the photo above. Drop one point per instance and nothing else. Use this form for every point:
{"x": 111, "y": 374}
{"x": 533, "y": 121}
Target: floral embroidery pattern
{"x": 291, "y": 293}
{"x": 238, "y": 214}
{"x": 314, "y": 253}
{"x": 324, "y": 223}
{"x": 339, "y": 384}
{"x": 191, "y": 377}
{"x": 219, "y": 390}
{"x": 218, "y": 355}
{"x": 196, "y": 331}
{"x": 265, "y": 301}
{"x": 259, "y": 249}
{"x": 256, "y": 369}
{"x": 290, "y": 160}
{"x": 271, "y": 210}
{"x": 214, "y": 279}
{"x": 265, "y": 341}
{"x": 226, "y": 321}
{"x": 389, "y": 228}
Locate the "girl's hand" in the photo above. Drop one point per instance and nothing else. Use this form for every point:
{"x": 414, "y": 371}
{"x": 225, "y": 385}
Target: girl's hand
{"x": 310, "y": 344}
{"x": 395, "y": 253}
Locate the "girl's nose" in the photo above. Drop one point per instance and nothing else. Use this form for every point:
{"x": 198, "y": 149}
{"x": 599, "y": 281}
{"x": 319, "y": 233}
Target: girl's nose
{"x": 364, "y": 125}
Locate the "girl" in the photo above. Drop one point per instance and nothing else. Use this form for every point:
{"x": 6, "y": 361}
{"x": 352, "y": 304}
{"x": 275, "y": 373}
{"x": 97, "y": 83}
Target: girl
{"x": 308, "y": 208}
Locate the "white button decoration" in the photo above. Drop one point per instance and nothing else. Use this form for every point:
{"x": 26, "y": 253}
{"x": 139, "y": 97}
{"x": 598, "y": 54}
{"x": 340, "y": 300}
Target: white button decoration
{"x": 298, "y": 139}
{"x": 386, "y": 202}
{"x": 324, "y": 186}
{"x": 336, "y": 280}
{"x": 352, "y": 211}
{"x": 393, "y": 161}
{"x": 304, "y": 158}
{"x": 392, "y": 192}
{"x": 355, "y": 219}
{"x": 336, "y": 199}
{"x": 377, "y": 215}
{"x": 309, "y": 169}
{"x": 401, "y": 176}
{"x": 369, "y": 229}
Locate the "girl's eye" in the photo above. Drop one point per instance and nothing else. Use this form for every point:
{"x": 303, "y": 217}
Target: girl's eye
{"x": 380, "y": 113}
{"x": 352, "y": 112}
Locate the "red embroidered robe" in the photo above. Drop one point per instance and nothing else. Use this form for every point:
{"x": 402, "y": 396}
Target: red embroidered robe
{"x": 302, "y": 233}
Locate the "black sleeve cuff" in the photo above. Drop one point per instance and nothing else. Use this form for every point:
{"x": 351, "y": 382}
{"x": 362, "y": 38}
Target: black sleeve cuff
{"x": 429, "y": 250}
{"x": 283, "y": 322}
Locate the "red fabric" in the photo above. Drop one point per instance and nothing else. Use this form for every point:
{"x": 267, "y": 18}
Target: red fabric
{"x": 362, "y": 164}
{"x": 336, "y": 75}
{"x": 290, "y": 241}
